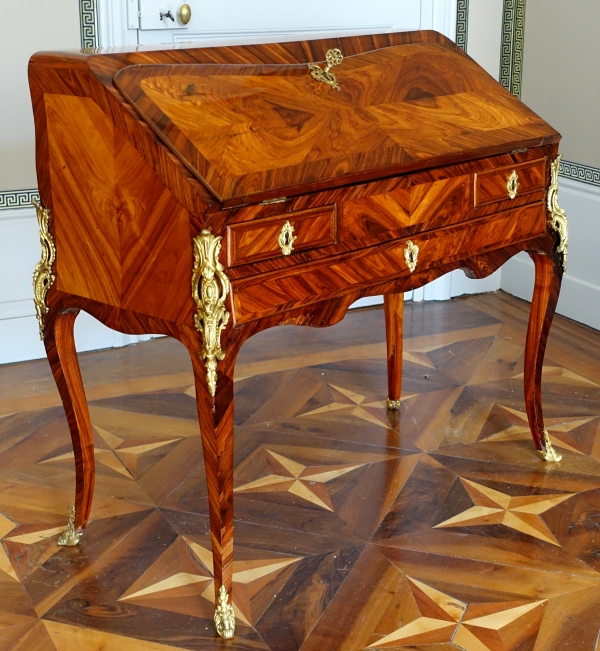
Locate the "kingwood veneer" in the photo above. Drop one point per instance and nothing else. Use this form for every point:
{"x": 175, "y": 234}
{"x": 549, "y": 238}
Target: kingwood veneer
{"x": 211, "y": 193}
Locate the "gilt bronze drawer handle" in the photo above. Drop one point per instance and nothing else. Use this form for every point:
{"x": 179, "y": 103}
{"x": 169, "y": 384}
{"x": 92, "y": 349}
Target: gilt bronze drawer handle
{"x": 333, "y": 58}
{"x": 411, "y": 255}
{"x": 286, "y": 238}
{"x": 512, "y": 185}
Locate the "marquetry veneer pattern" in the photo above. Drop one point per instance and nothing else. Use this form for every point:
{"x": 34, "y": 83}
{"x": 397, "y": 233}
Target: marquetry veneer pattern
{"x": 356, "y": 528}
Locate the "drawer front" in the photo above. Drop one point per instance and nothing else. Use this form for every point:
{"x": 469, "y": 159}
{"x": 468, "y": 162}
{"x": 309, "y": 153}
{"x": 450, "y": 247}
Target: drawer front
{"x": 507, "y": 183}
{"x": 406, "y": 210}
{"x": 257, "y": 296}
{"x": 262, "y": 239}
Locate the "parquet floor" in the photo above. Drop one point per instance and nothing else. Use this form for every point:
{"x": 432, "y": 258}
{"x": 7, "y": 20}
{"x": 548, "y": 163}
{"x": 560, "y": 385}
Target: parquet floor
{"x": 355, "y": 529}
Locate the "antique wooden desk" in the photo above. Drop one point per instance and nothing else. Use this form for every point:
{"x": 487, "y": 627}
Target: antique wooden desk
{"x": 208, "y": 194}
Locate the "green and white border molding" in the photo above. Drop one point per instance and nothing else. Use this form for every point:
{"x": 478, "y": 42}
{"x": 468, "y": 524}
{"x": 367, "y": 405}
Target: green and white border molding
{"x": 511, "y": 72}
{"x": 88, "y": 29}
{"x": 88, "y": 23}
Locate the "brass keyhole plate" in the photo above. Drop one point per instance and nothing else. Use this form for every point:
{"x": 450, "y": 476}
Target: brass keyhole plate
{"x": 286, "y": 238}
{"x": 411, "y": 255}
{"x": 512, "y": 185}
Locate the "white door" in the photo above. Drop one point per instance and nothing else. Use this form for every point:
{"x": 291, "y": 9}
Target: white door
{"x": 146, "y": 22}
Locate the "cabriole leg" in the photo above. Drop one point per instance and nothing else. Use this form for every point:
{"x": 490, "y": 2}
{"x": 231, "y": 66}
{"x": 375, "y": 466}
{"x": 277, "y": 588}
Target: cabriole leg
{"x": 548, "y": 277}
{"x": 60, "y": 347}
{"x": 216, "y": 427}
{"x": 394, "y": 314}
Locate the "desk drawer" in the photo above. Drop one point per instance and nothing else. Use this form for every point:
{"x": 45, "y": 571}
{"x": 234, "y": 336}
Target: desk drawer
{"x": 259, "y": 296}
{"x": 406, "y": 209}
{"x": 262, "y": 239}
{"x": 507, "y": 183}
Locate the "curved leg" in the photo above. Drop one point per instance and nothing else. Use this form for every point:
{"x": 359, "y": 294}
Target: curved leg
{"x": 548, "y": 277}
{"x": 216, "y": 428}
{"x": 394, "y": 313}
{"x": 60, "y": 348}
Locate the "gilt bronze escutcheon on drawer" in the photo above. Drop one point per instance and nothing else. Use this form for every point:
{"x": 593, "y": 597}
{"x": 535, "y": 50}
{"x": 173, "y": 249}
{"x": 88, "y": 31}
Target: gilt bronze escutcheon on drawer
{"x": 210, "y": 193}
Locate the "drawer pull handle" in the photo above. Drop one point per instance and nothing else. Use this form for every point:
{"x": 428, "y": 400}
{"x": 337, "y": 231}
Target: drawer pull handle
{"x": 512, "y": 185}
{"x": 286, "y": 238}
{"x": 411, "y": 255}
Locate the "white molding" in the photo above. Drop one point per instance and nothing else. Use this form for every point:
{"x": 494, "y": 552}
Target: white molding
{"x": 579, "y": 299}
{"x": 112, "y": 24}
{"x": 19, "y": 214}
{"x": 580, "y": 292}
{"x": 17, "y": 309}
{"x": 579, "y": 188}
{"x": 254, "y": 36}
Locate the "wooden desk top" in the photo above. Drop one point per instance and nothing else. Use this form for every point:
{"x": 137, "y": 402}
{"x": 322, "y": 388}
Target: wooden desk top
{"x": 251, "y": 129}
{"x": 250, "y": 122}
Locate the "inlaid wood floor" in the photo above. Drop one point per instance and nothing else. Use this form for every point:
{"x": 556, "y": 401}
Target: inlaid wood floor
{"x": 355, "y": 529}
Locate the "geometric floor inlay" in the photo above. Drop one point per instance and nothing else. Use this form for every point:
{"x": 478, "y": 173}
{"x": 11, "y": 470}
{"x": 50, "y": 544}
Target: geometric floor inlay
{"x": 436, "y": 527}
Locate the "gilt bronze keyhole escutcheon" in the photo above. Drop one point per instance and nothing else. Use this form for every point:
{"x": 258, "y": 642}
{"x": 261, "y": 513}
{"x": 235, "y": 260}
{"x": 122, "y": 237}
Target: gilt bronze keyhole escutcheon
{"x": 286, "y": 238}
{"x": 512, "y": 185}
{"x": 411, "y": 255}
{"x": 333, "y": 58}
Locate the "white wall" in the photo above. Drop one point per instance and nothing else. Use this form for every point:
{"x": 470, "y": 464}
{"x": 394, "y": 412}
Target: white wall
{"x": 48, "y": 26}
{"x": 580, "y": 292}
{"x": 561, "y": 83}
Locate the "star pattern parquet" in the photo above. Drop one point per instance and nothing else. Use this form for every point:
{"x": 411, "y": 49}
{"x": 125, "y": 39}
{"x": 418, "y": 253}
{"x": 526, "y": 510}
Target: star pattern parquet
{"x": 356, "y": 529}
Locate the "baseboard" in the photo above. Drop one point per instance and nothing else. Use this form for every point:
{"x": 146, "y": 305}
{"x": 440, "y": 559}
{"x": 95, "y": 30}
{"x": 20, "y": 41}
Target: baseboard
{"x": 579, "y": 300}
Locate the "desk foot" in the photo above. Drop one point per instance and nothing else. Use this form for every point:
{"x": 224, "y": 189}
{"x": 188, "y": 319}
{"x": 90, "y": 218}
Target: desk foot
{"x": 216, "y": 429}
{"x": 71, "y": 536}
{"x": 548, "y": 277}
{"x": 224, "y": 616}
{"x": 62, "y": 356}
{"x": 549, "y": 454}
{"x": 394, "y": 318}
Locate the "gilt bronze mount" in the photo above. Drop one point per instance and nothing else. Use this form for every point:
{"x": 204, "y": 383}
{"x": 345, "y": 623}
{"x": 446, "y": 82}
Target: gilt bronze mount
{"x": 512, "y": 185}
{"x": 333, "y": 58}
{"x": 549, "y": 454}
{"x": 210, "y": 287}
{"x": 557, "y": 214}
{"x": 224, "y": 616}
{"x": 70, "y": 537}
{"x": 43, "y": 277}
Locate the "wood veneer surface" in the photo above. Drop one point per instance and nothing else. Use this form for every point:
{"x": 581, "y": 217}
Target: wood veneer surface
{"x": 247, "y": 130}
{"x": 366, "y": 531}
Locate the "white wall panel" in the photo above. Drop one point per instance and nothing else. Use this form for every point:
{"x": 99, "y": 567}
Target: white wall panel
{"x": 485, "y": 32}
{"x": 580, "y": 292}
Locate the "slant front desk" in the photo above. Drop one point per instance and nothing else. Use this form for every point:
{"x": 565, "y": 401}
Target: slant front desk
{"x": 210, "y": 193}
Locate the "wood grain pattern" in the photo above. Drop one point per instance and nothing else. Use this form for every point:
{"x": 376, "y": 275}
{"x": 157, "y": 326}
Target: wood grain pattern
{"x": 260, "y": 296}
{"x": 548, "y": 278}
{"x": 394, "y": 331}
{"x": 250, "y": 130}
{"x": 490, "y": 187}
{"x": 258, "y": 240}
{"x": 62, "y": 356}
{"x": 137, "y": 152}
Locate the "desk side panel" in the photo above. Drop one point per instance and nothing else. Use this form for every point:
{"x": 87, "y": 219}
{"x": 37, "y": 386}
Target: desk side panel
{"x": 122, "y": 237}
{"x": 156, "y": 253}
{"x": 257, "y": 297}
{"x": 84, "y": 216}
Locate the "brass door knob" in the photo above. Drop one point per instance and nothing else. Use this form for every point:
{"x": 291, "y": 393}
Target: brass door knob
{"x": 185, "y": 14}
{"x": 286, "y": 238}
